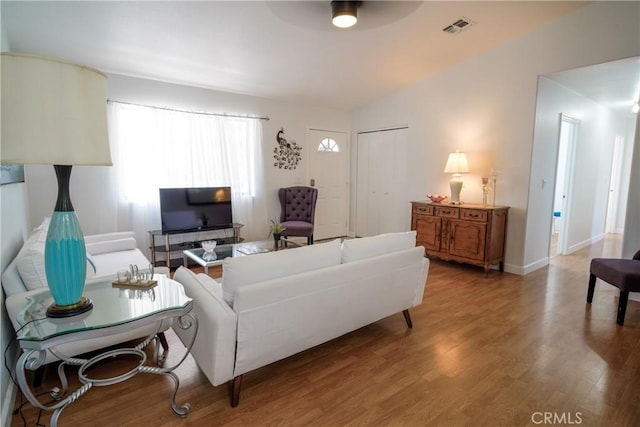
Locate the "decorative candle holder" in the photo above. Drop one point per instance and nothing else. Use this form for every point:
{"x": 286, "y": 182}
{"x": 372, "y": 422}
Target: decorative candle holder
{"x": 485, "y": 190}
{"x": 494, "y": 178}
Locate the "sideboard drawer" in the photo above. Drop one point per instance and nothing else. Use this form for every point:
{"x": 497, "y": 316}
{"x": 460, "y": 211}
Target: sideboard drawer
{"x": 446, "y": 212}
{"x": 474, "y": 215}
{"x": 423, "y": 210}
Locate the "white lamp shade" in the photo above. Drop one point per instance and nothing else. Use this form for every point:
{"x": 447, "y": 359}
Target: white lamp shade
{"x": 457, "y": 163}
{"x": 53, "y": 112}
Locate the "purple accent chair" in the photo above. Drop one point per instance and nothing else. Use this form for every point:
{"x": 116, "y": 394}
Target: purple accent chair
{"x": 621, "y": 273}
{"x": 298, "y": 211}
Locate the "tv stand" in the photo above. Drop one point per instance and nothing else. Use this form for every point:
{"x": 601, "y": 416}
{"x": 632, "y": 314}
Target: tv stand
{"x": 160, "y": 243}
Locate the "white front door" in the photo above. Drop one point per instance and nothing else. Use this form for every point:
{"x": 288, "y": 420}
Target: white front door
{"x": 328, "y": 173}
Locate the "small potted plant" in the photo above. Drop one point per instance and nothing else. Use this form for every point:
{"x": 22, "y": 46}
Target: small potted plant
{"x": 276, "y": 228}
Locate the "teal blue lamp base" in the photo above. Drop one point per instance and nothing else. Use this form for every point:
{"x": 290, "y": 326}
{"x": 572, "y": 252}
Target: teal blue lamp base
{"x": 65, "y": 255}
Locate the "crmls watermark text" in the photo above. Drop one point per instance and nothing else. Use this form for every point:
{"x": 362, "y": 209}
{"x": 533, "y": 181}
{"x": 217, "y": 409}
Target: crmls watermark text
{"x": 556, "y": 418}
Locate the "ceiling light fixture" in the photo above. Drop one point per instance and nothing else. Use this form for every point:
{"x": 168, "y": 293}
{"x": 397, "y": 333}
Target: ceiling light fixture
{"x": 635, "y": 108}
{"x": 344, "y": 14}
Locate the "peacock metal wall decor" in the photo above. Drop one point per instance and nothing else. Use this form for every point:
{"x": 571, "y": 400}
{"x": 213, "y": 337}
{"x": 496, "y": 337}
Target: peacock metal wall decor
{"x": 286, "y": 154}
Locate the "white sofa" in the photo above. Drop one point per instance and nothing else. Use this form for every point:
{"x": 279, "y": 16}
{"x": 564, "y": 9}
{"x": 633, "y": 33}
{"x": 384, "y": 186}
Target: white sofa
{"x": 273, "y": 305}
{"x": 106, "y": 254}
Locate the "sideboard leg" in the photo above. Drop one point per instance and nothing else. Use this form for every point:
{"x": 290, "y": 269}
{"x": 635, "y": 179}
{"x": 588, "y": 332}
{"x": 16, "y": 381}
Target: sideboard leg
{"x": 407, "y": 318}
{"x": 234, "y": 390}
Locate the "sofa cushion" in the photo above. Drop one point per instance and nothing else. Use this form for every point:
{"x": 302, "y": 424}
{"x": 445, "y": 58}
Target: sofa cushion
{"x": 108, "y": 264}
{"x": 366, "y": 247}
{"x": 245, "y": 270}
{"x": 115, "y": 235}
{"x": 210, "y": 285}
{"x": 30, "y": 259}
{"x": 115, "y": 245}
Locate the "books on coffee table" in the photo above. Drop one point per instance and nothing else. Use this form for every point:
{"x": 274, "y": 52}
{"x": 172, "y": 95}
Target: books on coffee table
{"x": 251, "y": 249}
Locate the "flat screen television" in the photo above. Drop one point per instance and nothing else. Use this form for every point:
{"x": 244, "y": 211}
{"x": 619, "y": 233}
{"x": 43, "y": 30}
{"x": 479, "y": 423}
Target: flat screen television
{"x": 195, "y": 209}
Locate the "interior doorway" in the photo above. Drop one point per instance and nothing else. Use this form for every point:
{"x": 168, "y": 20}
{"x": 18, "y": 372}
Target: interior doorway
{"x": 567, "y": 141}
{"x": 613, "y": 224}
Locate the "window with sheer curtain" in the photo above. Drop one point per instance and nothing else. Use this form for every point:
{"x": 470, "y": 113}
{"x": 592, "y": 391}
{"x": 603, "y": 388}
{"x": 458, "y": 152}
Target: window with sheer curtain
{"x": 157, "y": 148}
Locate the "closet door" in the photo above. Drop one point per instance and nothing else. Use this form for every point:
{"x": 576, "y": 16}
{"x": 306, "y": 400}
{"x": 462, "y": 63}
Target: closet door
{"x": 381, "y": 202}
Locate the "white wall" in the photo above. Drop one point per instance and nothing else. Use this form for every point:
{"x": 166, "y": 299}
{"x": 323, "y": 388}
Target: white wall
{"x": 625, "y": 178}
{"x": 11, "y": 239}
{"x": 631, "y": 241}
{"x": 486, "y": 107}
{"x": 91, "y": 196}
{"x": 13, "y": 233}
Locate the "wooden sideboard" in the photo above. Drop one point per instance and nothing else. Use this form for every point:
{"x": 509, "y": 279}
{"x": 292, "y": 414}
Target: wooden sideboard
{"x": 468, "y": 233}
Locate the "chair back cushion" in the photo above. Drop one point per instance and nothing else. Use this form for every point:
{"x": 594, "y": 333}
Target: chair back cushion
{"x": 298, "y": 203}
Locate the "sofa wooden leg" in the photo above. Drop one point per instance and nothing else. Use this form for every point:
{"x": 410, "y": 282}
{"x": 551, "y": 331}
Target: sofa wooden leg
{"x": 407, "y": 318}
{"x": 163, "y": 341}
{"x": 592, "y": 287}
{"x": 234, "y": 390}
{"x": 622, "y": 306}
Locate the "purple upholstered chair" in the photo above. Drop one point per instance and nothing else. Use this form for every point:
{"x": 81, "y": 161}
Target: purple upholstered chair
{"x": 621, "y": 273}
{"x": 298, "y": 210}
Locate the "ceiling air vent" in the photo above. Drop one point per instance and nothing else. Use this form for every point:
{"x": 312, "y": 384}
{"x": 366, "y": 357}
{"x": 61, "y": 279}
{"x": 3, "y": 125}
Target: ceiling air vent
{"x": 458, "y": 26}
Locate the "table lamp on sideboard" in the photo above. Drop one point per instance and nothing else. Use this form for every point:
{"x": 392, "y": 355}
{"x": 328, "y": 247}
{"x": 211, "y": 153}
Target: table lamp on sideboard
{"x": 456, "y": 164}
{"x": 54, "y": 112}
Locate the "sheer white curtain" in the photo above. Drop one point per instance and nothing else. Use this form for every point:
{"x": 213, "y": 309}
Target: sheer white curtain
{"x": 157, "y": 148}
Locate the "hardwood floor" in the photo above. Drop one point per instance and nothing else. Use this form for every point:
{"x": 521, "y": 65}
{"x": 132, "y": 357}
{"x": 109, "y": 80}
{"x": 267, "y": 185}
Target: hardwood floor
{"x": 499, "y": 351}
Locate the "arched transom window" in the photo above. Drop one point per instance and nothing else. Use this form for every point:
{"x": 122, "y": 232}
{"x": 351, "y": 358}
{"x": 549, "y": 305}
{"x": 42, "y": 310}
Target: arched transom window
{"x": 328, "y": 144}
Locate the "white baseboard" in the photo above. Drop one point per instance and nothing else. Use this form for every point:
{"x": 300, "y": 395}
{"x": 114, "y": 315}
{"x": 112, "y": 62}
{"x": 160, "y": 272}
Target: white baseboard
{"x": 585, "y": 243}
{"x": 523, "y": 270}
{"x": 513, "y": 269}
{"x": 8, "y": 403}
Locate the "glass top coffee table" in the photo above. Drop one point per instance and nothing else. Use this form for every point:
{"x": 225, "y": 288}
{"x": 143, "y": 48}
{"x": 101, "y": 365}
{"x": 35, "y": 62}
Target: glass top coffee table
{"x": 221, "y": 252}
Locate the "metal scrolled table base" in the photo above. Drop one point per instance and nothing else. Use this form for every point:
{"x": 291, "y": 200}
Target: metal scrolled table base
{"x": 33, "y": 359}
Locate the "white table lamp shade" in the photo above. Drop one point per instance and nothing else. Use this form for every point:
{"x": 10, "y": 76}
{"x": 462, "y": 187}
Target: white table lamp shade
{"x": 457, "y": 163}
{"x": 53, "y": 112}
